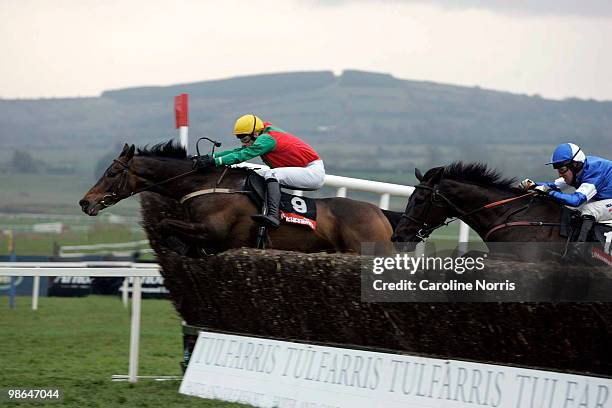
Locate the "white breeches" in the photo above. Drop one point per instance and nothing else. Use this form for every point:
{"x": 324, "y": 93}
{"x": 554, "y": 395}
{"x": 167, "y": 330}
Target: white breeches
{"x": 310, "y": 177}
{"x": 601, "y": 209}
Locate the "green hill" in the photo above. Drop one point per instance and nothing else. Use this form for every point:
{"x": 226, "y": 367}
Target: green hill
{"x": 359, "y": 120}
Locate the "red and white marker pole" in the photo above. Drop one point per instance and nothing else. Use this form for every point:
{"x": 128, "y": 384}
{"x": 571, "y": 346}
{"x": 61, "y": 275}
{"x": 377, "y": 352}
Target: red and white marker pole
{"x": 181, "y": 112}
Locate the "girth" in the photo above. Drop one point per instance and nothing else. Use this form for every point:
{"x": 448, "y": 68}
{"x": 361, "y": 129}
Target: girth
{"x": 209, "y": 191}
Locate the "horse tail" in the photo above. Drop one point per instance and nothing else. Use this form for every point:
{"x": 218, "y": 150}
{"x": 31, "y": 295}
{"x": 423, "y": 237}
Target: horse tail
{"x": 394, "y": 217}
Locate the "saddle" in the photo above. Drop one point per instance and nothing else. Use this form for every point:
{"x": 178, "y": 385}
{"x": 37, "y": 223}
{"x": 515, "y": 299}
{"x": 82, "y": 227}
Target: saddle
{"x": 293, "y": 209}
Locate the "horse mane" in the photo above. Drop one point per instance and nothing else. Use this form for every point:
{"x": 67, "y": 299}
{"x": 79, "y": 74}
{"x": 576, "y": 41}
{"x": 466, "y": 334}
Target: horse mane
{"x": 163, "y": 149}
{"x": 479, "y": 173}
{"x": 173, "y": 150}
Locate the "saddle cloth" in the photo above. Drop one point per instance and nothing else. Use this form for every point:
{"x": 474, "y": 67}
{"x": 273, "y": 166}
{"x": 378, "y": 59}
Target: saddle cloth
{"x": 602, "y": 233}
{"x": 600, "y": 237}
{"x": 293, "y": 209}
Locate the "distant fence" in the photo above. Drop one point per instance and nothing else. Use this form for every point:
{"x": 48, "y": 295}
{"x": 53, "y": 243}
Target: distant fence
{"x": 119, "y": 249}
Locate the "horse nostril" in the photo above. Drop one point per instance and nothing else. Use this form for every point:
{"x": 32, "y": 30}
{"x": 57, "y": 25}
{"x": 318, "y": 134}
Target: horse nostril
{"x": 83, "y": 203}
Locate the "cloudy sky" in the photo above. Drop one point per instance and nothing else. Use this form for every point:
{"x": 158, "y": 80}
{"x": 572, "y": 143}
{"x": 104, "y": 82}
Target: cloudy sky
{"x": 555, "y": 48}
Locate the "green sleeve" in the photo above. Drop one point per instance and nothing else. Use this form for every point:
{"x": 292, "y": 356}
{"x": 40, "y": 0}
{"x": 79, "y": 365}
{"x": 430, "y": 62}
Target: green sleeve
{"x": 226, "y": 152}
{"x": 263, "y": 144}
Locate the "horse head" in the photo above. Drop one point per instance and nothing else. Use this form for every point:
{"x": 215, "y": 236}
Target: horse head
{"x": 425, "y": 211}
{"x": 113, "y": 186}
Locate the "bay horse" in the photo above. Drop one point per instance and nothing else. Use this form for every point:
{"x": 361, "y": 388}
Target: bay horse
{"x": 489, "y": 204}
{"x": 222, "y": 220}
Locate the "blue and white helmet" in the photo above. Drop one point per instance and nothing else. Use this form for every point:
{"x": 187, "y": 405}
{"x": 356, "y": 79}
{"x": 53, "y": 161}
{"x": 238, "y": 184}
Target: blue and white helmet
{"x": 565, "y": 154}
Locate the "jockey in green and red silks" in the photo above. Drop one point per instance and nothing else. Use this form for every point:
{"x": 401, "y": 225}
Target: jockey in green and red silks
{"x": 292, "y": 162}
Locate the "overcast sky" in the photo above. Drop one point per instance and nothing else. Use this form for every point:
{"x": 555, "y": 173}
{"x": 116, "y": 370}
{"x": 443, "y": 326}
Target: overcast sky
{"x": 555, "y": 48}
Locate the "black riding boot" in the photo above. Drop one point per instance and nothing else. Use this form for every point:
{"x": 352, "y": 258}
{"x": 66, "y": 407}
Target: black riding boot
{"x": 578, "y": 250}
{"x": 273, "y": 196}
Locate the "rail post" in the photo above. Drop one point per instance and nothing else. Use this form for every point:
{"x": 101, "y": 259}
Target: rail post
{"x": 135, "y": 330}
{"x": 464, "y": 238}
{"x": 12, "y": 258}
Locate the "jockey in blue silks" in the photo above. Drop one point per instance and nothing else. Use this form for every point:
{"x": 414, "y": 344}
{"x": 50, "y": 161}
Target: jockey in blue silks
{"x": 591, "y": 176}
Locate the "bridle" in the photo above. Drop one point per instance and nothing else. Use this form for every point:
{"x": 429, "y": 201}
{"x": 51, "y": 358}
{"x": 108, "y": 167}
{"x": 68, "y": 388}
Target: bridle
{"x": 122, "y": 183}
{"x": 425, "y": 231}
{"x": 118, "y": 185}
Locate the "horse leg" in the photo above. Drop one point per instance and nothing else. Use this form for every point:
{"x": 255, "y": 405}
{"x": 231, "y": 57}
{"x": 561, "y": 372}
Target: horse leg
{"x": 191, "y": 230}
{"x": 189, "y": 238}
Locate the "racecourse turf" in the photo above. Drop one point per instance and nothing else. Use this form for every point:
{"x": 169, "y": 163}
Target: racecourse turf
{"x": 76, "y": 344}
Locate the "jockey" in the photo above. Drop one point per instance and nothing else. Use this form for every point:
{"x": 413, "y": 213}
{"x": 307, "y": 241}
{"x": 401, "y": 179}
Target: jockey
{"x": 292, "y": 162}
{"x": 591, "y": 176}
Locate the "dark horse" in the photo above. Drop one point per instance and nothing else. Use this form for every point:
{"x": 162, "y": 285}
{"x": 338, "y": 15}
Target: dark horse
{"x": 488, "y": 203}
{"x": 219, "y": 221}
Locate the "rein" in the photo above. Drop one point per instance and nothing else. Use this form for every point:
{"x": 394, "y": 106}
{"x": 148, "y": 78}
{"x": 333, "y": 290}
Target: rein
{"x": 162, "y": 182}
{"x": 520, "y": 224}
{"x": 424, "y": 232}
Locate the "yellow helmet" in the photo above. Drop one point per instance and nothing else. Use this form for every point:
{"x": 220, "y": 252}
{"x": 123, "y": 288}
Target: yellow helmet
{"x": 248, "y": 125}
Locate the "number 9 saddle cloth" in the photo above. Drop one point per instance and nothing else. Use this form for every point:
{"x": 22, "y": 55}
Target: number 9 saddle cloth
{"x": 293, "y": 209}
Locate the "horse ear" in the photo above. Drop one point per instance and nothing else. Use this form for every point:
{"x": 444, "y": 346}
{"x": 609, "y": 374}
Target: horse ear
{"x": 418, "y": 174}
{"x": 130, "y": 152}
{"x": 125, "y": 149}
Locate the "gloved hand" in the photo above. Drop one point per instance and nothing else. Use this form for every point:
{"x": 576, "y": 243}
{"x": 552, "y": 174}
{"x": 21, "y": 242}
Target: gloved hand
{"x": 203, "y": 162}
{"x": 543, "y": 189}
{"x": 526, "y": 184}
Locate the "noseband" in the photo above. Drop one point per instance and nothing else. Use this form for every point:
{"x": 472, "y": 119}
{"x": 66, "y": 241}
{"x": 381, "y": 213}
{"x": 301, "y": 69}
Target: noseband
{"x": 121, "y": 184}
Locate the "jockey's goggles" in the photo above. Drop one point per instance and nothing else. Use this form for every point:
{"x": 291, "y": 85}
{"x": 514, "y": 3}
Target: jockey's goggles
{"x": 562, "y": 169}
{"x": 245, "y": 138}
{"x": 563, "y": 166}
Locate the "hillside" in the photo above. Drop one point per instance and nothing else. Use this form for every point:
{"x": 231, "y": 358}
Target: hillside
{"x": 360, "y": 120}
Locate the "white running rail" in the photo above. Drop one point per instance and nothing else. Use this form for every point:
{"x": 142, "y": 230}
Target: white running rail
{"x": 115, "y": 249}
{"x": 92, "y": 269}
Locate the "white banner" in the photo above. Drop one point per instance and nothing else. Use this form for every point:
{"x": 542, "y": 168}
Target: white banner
{"x": 270, "y": 373}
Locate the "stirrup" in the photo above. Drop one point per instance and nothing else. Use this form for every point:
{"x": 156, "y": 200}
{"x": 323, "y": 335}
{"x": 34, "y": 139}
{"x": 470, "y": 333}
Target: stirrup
{"x": 266, "y": 220}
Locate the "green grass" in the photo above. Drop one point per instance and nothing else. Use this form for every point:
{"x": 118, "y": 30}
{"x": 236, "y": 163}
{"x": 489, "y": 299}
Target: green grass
{"x": 76, "y": 344}
{"x": 27, "y": 243}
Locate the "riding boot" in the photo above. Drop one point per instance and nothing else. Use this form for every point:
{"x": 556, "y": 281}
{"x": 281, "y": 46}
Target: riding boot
{"x": 579, "y": 248}
{"x": 273, "y": 197}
